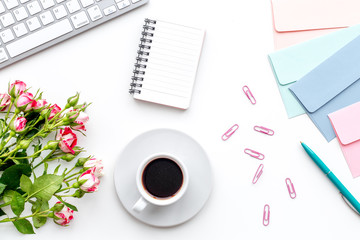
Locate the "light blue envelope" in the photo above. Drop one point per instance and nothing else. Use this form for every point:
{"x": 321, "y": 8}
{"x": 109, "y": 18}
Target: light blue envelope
{"x": 292, "y": 63}
{"x": 332, "y": 85}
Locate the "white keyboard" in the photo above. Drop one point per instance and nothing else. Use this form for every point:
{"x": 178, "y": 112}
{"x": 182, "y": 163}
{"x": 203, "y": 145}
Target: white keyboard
{"x": 29, "y": 26}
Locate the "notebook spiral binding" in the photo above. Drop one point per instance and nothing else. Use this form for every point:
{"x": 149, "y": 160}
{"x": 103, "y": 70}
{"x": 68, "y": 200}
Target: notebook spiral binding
{"x": 142, "y": 56}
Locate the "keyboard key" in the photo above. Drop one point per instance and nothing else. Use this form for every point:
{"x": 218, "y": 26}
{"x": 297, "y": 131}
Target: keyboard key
{"x": 80, "y": 19}
{"x": 10, "y": 4}
{"x": 33, "y": 7}
{"x": 6, "y": 35}
{"x": 47, "y": 3}
{"x": 73, "y": 6}
{"x": 38, "y": 38}
{"x": 86, "y": 3}
{"x": 24, "y": 1}
{"x": 3, "y": 55}
{"x": 109, "y": 10}
{"x": 2, "y": 8}
{"x": 123, "y": 4}
{"x": 60, "y": 12}
{"x": 33, "y": 23}
{"x": 20, "y": 13}
{"x": 94, "y": 13}
{"x": 135, "y": 1}
{"x": 7, "y": 19}
{"x": 20, "y": 30}
{"x": 46, "y": 18}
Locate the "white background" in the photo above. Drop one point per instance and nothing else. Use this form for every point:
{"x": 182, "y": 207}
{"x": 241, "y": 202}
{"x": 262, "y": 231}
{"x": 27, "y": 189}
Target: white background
{"x": 99, "y": 64}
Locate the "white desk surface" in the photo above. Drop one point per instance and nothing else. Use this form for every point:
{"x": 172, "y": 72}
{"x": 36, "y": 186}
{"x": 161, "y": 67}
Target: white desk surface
{"x": 99, "y": 64}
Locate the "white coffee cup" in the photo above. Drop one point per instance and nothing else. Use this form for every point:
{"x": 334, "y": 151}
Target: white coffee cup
{"x": 146, "y": 197}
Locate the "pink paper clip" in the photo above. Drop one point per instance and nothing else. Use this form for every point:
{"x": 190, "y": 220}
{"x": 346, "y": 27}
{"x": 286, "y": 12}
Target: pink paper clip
{"x": 249, "y": 94}
{"x": 230, "y": 132}
{"x": 264, "y": 130}
{"x": 290, "y": 187}
{"x": 266, "y": 215}
{"x": 258, "y": 173}
{"x": 254, "y": 154}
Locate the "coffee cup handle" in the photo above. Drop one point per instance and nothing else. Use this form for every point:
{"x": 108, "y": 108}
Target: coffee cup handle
{"x": 140, "y": 205}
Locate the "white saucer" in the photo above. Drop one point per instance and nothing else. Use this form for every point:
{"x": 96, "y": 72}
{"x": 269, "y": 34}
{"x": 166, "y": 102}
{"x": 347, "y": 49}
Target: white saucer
{"x": 191, "y": 154}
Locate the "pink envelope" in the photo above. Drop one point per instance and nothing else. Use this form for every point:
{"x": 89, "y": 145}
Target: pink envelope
{"x": 346, "y": 124}
{"x": 296, "y": 21}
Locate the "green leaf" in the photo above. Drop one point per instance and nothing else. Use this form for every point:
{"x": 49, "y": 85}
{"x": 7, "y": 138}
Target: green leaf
{"x": 8, "y": 195}
{"x": 72, "y": 207}
{"x": 57, "y": 169}
{"x": 24, "y": 226}
{"x": 25, "y": 184}
{"x": 11, "y": 176}
{"x": 2, "y": 188}
{"x": 39, "y": 221}
{"x": 45, "y": 186}
{"x": 39, "y": 206}
{"x": 37, "y": 147}
{"x": 21, "y": 157}
{"x": 46, "y": 165}
{"x": 17, "y": 203}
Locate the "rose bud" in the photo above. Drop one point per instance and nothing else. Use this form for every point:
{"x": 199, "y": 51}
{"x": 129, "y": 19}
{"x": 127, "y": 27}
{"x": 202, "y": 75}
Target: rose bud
{"x": 68, "y": 157}
{"x": 52, "y": 145}
{"x": 39, "y": 105}
{"x": 96, "y": 165}
{"x": 4, "y": 101}
{"x": 54, "y": 110}
{"x": 64, "y": 216}
{"x": 71, "y": 115}
{"x": 72, "y": 101}
{"x": 92, "y": 182}
{"x": 68, "y": 140}
{"x": 16, "y": 88}
{"x": 24, "y": 144}
{"x": 80, "y": 121}
{"x": 18, "y": 125}
{"x": 24, "y": 102}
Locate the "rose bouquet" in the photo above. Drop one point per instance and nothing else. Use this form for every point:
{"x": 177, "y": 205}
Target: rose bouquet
{"x": 37, "y": 140}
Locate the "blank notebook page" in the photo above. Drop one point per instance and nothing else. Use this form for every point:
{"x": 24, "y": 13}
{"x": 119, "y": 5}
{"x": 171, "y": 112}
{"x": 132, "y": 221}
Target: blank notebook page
{"x": 167, "y": 63}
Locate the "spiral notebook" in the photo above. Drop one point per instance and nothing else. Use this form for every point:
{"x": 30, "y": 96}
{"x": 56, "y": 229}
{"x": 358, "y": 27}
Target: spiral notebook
{"x": 166, "y": 63}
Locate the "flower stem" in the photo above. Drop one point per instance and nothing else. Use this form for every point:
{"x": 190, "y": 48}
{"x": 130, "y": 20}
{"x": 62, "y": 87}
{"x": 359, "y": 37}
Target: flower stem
{"x": 8, "y": 111}
{"x": 45, "y": 159}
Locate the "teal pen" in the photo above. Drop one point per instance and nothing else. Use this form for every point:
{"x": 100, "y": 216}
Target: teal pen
{"x": 349, "y": 197}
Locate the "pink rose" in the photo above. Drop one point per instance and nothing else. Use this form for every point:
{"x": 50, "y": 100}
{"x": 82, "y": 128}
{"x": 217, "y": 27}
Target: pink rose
{"x": 96, "y": 166}
{"x": 24, "y": 101}
{"x": 80, "y": 121}
{"x": 19, "y": 124}
{"x": 54, "y": 110}
{"x": 67, "y": 139}
{"x": 64, "y": 216}
{"x": 39, "y": 105}
{"x": 4, "y": 101}
{"x": 92, "y": 182}
{"x": 16, "y": 88}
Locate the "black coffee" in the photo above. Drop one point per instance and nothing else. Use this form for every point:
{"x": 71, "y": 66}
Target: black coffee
{"x": 162, "y": 177}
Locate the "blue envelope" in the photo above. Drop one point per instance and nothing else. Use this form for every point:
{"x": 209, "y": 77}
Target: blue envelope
{"x": 332, "y": 85}
{"x": 292, "y": 63}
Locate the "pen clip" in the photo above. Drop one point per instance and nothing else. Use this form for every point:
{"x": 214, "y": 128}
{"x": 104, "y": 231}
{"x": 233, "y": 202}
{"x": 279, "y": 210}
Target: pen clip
{"x": 349, "y": 204}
